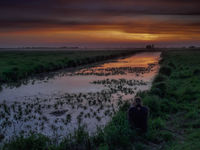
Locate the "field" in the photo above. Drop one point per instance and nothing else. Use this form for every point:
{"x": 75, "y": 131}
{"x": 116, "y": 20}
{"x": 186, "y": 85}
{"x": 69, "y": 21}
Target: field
{"x": 15, "y": 65}
{"x": 178, "y": 87}
{"x": 174, "y": 121}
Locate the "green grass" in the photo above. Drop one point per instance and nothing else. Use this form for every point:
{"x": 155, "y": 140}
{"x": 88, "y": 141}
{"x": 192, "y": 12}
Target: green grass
{"x": 184, "y": 88}
{"x": 174, "y": 122}
{"x": 15, "y": 65}
{"x": 176, "y": 98}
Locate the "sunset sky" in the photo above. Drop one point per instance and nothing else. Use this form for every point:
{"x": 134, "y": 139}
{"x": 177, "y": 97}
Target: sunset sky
{"x": 99, "y": 23}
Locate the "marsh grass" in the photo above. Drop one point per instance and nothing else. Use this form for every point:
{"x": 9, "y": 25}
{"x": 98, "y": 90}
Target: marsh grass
{"x": 16, "y": 65}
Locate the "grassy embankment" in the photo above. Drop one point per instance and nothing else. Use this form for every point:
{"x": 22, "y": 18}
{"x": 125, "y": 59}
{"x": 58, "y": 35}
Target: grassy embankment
{"x": 15, "y": 65}
{"x": 174, "y": 102}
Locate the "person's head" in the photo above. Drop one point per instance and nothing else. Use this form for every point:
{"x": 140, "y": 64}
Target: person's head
{"x": 137, "y": 101}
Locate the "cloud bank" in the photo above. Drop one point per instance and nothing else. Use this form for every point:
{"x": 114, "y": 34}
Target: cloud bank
{"x": 87, "y": 21}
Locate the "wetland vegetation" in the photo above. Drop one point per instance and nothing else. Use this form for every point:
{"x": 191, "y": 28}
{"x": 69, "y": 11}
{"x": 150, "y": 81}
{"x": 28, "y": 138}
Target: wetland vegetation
{"x": 15, "y": 65}
{"x": 85, "y": 101}
{"x": 173, "y": 99}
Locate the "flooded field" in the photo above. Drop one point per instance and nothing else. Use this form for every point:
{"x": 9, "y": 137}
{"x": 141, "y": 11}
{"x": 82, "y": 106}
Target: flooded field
{"x": 61, "y": 102}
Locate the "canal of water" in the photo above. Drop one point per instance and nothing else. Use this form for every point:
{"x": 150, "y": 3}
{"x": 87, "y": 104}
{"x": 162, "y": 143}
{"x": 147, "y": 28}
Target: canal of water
{"x": 57, "y": 104}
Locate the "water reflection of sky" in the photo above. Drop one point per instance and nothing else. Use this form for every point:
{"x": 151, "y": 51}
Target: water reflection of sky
{"x": 139, "y": 60}
{"x": 81, "y": 83}
{"x": 76, "y": 95}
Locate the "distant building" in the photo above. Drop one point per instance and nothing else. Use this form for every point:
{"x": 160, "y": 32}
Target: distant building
{"x": 151, "y": 46}
{"x": 192, "y": 47}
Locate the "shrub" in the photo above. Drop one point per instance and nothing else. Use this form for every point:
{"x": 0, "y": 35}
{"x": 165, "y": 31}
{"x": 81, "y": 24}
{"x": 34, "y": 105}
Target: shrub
{"x": 118, "y": 134}
{"x": 10, "y": 75}
{"x": 159, "y": 78}
{"x": 196, "y": 72}
{"x": 80, "y": 134}
{"x": 192, "y": 115}
{"x": 65, "y": 144}
{"x": 172, "y": 65}
{"x": 165, "y": 70}
{"x": 166, "y": 135}
{"x": 81, "y": 138}
{"x": 157, "y": 123}
{"x": 184, "y": 74}
{"x": 139, "y": 146}
{"x": 34, "y": 142}
{"x": 125, "y": 106}
{"x": 189, "y": 94}
{"x": 169, "y": 106}
{"x": 142, "y": 94}
{"x": 156, "y": 91}
{"x": 103, "y": 147}
{"x": 71, "y": 63}
{"x": 162, "y": 86}
{"x": 153, "y": 102}
{"x": 159, "y": 89}
{"x": 98, "y": 138}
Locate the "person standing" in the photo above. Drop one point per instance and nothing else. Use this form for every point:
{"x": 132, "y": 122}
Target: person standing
{"x": 138, "y": 115}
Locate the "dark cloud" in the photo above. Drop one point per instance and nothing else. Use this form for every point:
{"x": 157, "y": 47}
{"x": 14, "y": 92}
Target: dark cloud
{"x": 90, "y": 7}
{"x": 12, "y": 10}
{"x": 129, "y": 16}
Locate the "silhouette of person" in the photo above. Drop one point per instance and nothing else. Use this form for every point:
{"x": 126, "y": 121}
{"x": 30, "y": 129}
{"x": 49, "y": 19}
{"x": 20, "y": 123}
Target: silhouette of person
{"x": 138, "y": 115}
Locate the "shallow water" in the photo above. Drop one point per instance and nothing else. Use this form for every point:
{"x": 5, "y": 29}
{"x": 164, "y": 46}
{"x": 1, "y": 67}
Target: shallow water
{"x": 89, "y": 96}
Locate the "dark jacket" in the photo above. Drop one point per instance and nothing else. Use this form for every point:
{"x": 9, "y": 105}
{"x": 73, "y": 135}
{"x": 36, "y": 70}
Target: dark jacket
{"x": 138, "y": 116}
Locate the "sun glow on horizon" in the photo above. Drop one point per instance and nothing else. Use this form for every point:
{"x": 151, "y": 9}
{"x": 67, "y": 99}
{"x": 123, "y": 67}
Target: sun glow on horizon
{"x": 66, "y": 36}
